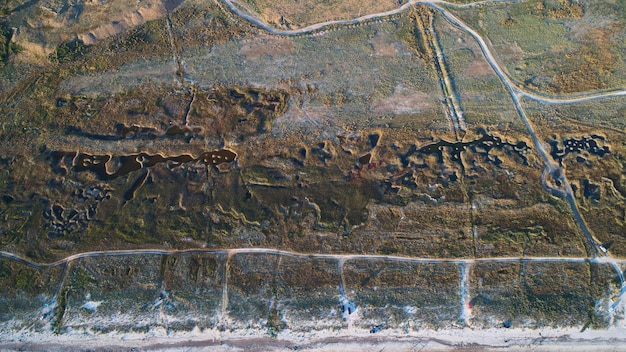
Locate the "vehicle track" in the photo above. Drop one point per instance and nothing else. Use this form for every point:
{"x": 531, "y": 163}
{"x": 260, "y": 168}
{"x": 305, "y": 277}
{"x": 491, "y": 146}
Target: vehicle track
{"x": 345, "y": 300}
{"x": 551, "y": 167}
{"x": 552, "y": 99}
{"x": 338, "y": 257}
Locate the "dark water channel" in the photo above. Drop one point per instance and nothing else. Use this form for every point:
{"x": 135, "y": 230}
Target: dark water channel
{"x": 482, "y": 146}
{"x": 138, "y": 132}
{"x": 128, "y": 163}
{"x": 577, "y": 145}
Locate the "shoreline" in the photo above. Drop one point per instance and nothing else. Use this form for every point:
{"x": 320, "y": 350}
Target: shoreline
{"x": 468, "y": 339}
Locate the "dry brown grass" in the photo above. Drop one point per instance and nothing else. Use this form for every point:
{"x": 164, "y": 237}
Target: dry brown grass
{"x": 272, "y": 46}
{"x": 593, "y": 64}
{"x": 288, "y": 14}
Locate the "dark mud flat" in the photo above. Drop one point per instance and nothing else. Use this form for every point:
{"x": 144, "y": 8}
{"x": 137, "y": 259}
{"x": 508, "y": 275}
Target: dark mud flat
{"x": 590, "y": 144}
{"x": 481, "y": 146}
{"x": 128, "y": 163}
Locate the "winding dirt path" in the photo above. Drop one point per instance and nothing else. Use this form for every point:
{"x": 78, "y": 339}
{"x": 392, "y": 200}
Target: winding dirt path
{"x": 339, "y": 257}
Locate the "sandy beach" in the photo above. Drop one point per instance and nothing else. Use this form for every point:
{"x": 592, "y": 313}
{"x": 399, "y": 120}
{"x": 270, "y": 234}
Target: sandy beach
{"x": 467, "y": 339}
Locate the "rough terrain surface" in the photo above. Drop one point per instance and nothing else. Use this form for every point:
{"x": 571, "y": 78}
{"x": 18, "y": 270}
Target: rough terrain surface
{"x": 313, "y": 174}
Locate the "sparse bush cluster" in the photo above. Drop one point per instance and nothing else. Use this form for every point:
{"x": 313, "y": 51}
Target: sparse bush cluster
{"x": 7, "y": 47}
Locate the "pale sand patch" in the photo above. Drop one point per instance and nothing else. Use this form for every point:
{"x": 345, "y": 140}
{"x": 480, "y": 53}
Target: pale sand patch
{"x": 122, "y": 23}
{"x": 403, "y": 101}
{"x": 509, "y": 51}
{"x": 159, "y": 339}
{"x": 384, "y": 45}
{"x": 116, "y": 82}
{"x": 34, "y": 53}
{"x": 478, "y": 68}
{"x": 40, "y": 29}
{"x": 581, "y": 28}
{"x": 267, "y": 45}
{"x": 290, "y": 14}
{"x": 305, "y": 115}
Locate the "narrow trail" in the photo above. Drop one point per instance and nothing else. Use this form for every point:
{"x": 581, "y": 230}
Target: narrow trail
{"x": 551, "y": 167}
{"x": 575, "y": 99}
{"x": 239, "y": 8}
{"x": 449, "y": 92}
{"x": 347, "y": 306}
{"x": 464, "y": 294}
{"x": 432, "y": 49}
{"x": 175, "y": 53}
{"x": 339, "y": 257}
{"x": 236, "y": 7}
{"x": 342, "y": 280}
{"x": 223, "y": 318}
